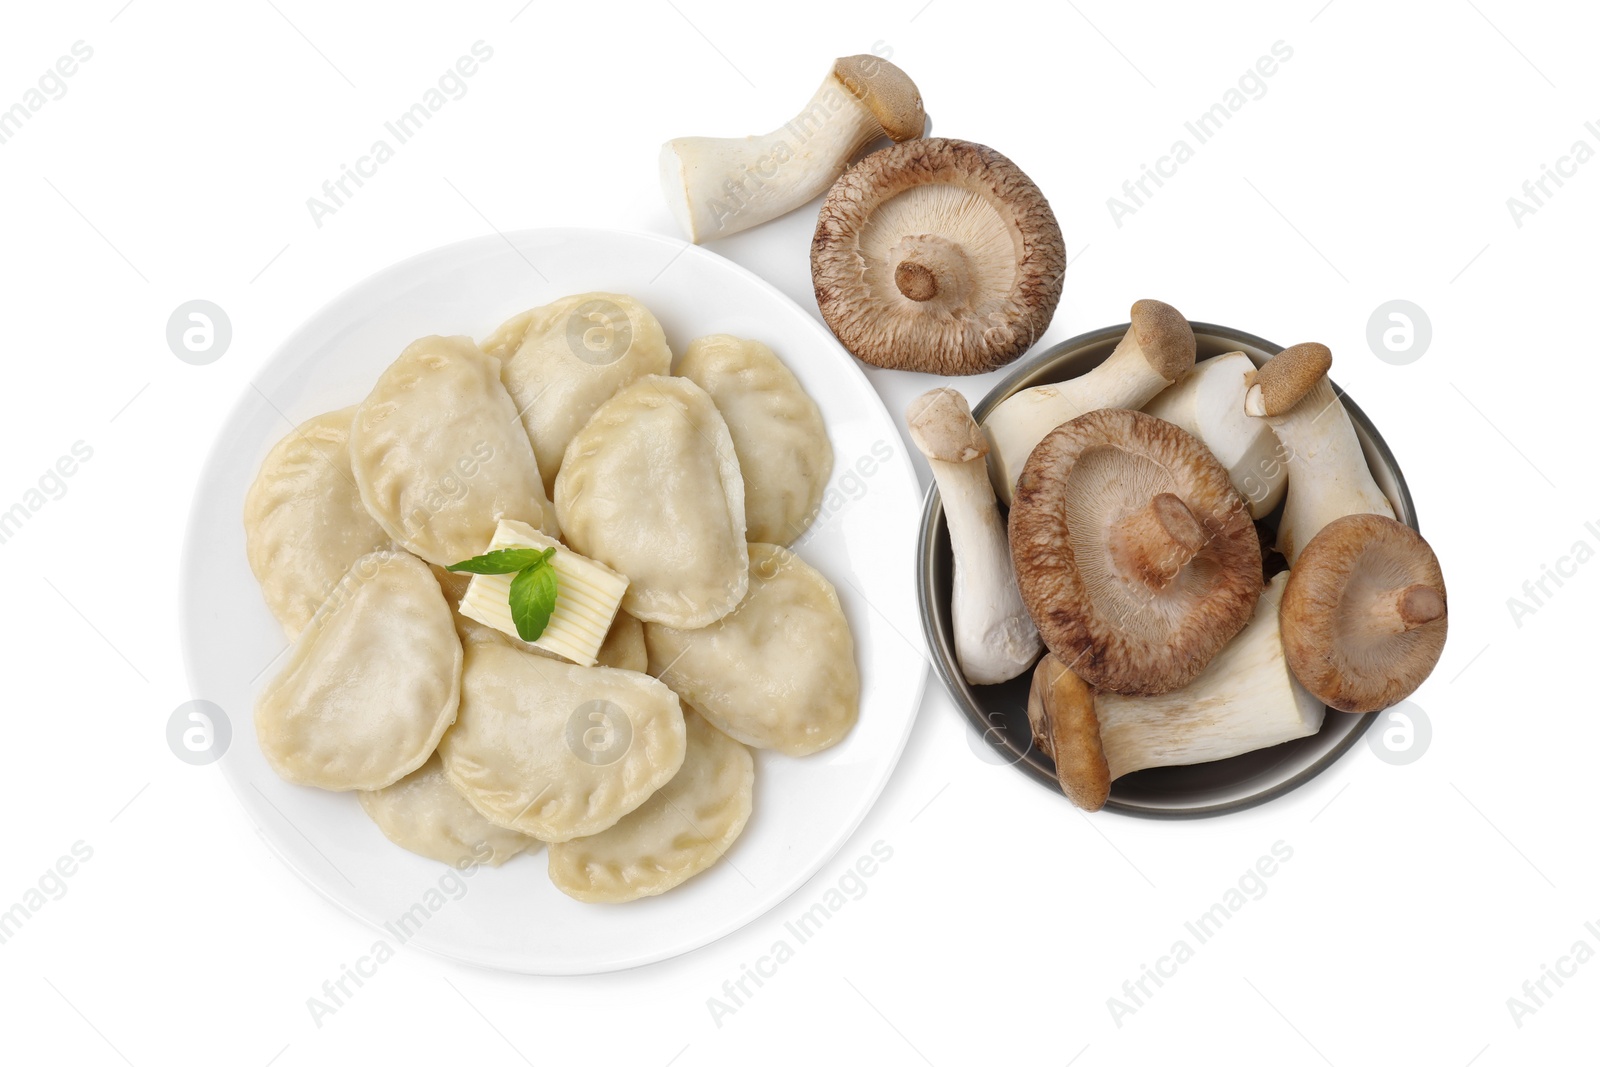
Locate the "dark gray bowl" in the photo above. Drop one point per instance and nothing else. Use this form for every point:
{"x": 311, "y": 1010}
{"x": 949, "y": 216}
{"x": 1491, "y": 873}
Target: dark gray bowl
{"x": 1000, "y": 712}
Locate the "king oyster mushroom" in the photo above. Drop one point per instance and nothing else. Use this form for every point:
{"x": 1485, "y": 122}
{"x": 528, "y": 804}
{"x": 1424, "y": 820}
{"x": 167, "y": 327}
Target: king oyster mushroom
{"x": 937, "y": 255}
{"x": 1245, "y": 699}
{"x": 1328, "y": 474}
{"x": 1158, "y": 347}
{"x": 717, "y": 186}
{"x": 1364, "y": 617}
{"x": 995, "y": 639}
{"x": 1208, "y": 401}
{"x": 1134, "y": 554}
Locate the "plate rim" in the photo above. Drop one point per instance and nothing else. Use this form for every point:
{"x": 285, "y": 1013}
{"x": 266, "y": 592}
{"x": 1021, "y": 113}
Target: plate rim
{"x": 948, "y": 671}
{"x": 192, "y": 532}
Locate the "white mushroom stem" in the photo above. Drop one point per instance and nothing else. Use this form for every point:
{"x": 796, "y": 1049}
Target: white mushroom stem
{"x": 1328, "y": 473}
{"x": 1246, "y": 699}
{"x": 1156, "y": 350}
{"x": 994, "y": 637}
{"x": 717, "y": 186}
{"x": 1208, "y": 402}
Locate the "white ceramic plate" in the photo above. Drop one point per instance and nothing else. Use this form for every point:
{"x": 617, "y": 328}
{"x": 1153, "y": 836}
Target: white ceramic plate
{"x": 864, "y": 541}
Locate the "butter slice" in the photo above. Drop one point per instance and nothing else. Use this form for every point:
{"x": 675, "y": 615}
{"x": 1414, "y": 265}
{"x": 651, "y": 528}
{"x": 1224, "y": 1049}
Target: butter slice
{"x": 587, "y": 596}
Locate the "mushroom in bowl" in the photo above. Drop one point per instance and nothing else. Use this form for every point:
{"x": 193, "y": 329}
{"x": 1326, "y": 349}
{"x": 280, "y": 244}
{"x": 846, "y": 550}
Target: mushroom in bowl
{"x": 1134, "y": 554}
{"x": 1157, "y": 348}
{"x": 995, "y": 638}
{"x": 1166, "y": 788}
{"x": 1364, "y": 618}
{"x": 1246, "y": 699}
{"x": 1328, "y": 474}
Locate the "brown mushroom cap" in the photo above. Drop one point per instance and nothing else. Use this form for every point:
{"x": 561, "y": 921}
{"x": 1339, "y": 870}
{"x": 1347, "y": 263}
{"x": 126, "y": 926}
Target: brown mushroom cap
{"x": 1135, "y": 555}
{"x": 888, "y": 92}
{"x": 1164, "y": 336}
{"x": 1288, "y": 376}
{"x": 1065, "y": 728}
{"x": 937, "y": 255}
{"x": 1364, "y": 615}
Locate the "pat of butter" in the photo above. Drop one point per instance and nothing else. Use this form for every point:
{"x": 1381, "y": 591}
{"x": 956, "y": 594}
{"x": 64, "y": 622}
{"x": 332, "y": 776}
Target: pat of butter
{"x": 587, "y": 596}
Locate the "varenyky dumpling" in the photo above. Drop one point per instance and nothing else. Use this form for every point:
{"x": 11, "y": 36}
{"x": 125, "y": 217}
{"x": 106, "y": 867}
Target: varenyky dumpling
{"x": 777, "y": 431}
{"x": 563, "y": 360}
{"x": 680, "y": 831}
{"x": 372, "y": 683}
{"x": 424, "y": 813}
{"x": 304, "y": 523}
{"x": 651, "y": 487}
{"x": 780, "y": 671}
{"x": 440, "y": 455}
{"x": 555, "y": 750}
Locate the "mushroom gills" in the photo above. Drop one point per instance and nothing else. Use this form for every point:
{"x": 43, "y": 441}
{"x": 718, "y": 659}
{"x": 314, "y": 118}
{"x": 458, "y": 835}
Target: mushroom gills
{"x": 1366, "y": 614}
{"x": 937, "y": 255}
{"x": 1134, "y": 554}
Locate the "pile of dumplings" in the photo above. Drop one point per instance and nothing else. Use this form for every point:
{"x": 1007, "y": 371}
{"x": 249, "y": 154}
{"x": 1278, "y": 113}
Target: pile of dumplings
{"x": 469, "y": 746}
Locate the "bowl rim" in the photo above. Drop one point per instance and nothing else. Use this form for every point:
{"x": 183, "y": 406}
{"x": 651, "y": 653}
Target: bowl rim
{"x": 943, "y": 655}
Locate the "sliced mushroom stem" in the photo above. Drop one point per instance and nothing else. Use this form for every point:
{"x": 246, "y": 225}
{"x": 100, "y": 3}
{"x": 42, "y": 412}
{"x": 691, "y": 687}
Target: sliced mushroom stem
{"x": 1246, "y": 699}
{"x": 1152, "y": 544}
{"x": 915, "y": 281}
{"x": 994, "y": 637}
{"x": 1208, "y": 402}
{"x": 717, "y": 186}
{"x": 1328, "y": 473}
{"x": 1158, "y": 347}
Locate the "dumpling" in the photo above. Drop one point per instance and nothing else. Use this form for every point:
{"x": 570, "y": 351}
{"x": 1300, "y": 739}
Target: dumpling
{"x": 452, "y": 583}
{"x": 673, "y": 836}
{"x": 371, "y": 684}
{"x": 623, "y": 647}
{"x": 555, "y": 750}
{"x": 777, "y": 431}
{"x": 440, "y": 455}
{"x": 780, "y": 672}
{"x": 563, "y": 360}
{"x": 304, "y": 523}
{"x": 651, "y": 487}
{"x": 424, "y": 813}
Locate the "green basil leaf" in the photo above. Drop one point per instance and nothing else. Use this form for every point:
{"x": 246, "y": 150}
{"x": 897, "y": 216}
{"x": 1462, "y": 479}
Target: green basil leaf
{"x": 533, "y": 598}
{"x": 503, "y": 561}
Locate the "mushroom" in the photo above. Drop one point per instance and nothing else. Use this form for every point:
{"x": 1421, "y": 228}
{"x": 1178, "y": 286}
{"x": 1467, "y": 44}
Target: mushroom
{"x": 1208, "y": 401}
{"x": 1364, "y": 617}
{"x": 939, "y": 256}
{"x": 1134, "y": 554}
{"x": 1328, "y": 474}
{"x": 1246, "y": 699}
{"x": 995, "y": 638}
{"x": 717, "y": 186}
{"x": 1158, "y": 347}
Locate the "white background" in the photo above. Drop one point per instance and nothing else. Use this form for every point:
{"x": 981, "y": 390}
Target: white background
{"x": 1377, "y": 166}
